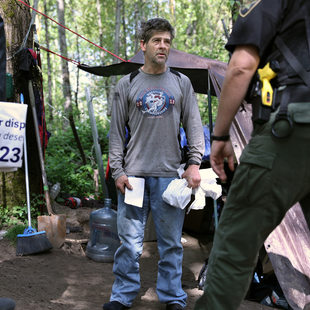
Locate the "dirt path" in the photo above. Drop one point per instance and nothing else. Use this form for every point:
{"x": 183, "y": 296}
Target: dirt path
{"x": 66, "y": 279}
{"x": 61, "y": 279}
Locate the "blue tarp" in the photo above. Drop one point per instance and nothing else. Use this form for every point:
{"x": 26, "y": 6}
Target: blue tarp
{"x": 206, "y": 132}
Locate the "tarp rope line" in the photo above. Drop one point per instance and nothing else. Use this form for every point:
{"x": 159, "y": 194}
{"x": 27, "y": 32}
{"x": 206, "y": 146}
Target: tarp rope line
{"x": 66, "y": 58}
{"x": 72, "y": 31}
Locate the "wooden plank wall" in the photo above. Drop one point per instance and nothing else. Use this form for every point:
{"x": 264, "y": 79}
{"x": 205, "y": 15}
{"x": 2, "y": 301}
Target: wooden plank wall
{"x": 288, "y": 248}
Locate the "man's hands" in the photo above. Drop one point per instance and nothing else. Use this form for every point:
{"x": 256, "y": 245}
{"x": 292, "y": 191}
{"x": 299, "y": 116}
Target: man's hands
{"x": 121, "y": 183}
{"x": 219, "y": 151}
{"x": 192, "y": 176}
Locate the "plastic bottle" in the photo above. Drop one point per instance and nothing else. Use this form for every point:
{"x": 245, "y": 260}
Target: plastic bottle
{"x": 55, "y": 190}
{"x": 104, "y": 239}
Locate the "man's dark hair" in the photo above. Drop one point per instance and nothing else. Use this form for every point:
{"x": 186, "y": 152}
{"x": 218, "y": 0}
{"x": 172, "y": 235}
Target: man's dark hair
{"x": 148, "y": 28}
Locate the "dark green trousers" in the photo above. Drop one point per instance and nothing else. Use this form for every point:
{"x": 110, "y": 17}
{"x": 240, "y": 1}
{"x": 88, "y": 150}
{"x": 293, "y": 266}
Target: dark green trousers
{"x": 272, "y": 176}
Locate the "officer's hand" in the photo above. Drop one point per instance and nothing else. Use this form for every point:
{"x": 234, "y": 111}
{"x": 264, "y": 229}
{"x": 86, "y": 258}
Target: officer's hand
{"x": 121, "y": 183}
{"x": 219, "y": 151}
{"x": 192, "y": 176}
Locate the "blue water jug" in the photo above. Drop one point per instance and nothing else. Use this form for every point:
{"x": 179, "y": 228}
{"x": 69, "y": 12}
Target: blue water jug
{"x": 104, "y": 239}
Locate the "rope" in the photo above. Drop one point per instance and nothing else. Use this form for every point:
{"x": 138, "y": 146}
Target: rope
{"x": 71, "y": 31}
{"x": 23, "y": 45}
{"x": 33, "y": 16}
{"x": 66, "y": 58}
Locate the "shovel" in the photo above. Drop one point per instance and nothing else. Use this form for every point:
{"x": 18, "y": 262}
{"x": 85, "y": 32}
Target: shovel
{"x": 53, "y": 224}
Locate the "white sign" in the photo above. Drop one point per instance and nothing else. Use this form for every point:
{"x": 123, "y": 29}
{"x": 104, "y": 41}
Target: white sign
{"x": 12, "y": 132}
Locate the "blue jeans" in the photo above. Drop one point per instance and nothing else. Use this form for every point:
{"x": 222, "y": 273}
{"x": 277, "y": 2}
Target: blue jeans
{"x": 131, "y": 222}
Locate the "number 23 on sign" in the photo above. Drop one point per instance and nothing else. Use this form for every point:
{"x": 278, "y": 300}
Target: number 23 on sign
{"x": 10, "y": 155}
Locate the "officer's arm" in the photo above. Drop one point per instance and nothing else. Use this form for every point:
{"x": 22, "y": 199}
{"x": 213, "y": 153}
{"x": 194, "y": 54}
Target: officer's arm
{"x": 241, "y": 69}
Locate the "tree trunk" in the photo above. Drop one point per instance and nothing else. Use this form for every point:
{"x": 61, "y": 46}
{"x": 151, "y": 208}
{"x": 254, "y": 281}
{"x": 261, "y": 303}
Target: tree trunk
{"x": 172, "y": 10}
{"x": 100, "y": 29}
{"x": 49, "y": 67}
{"x": 66, "y": 77}
{"x": 119, "y": 4}
{"x": 124, "y": 43}
{"x": 137, "y": 17}
{"x": 17, "y": 19}
{"x": 78, "y": 58}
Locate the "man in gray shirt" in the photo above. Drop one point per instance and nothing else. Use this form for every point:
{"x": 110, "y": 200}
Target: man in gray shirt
{"x": 152, "y": 103}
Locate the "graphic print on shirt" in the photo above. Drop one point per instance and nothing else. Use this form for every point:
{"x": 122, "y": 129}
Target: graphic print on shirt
{"x": 154, "y": 101}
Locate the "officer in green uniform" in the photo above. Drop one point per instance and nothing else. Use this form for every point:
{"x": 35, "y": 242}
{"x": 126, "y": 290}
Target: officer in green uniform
{"x": 274, "y": 169}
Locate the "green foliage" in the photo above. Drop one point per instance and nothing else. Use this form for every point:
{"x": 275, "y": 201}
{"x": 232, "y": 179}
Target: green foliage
{"x": 204, "y": 108}
{"x": 63, "y": 161}
{"x": 234, "y": 6}
{"x": 201, "y": 30}
{"x": 199, "y": 26}
{"x": 12, "y": 233}
{"x": 19, "y": 214}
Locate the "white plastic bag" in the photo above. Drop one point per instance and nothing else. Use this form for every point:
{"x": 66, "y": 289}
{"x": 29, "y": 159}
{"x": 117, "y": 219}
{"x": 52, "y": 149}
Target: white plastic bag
{"x": 177, "y": 193}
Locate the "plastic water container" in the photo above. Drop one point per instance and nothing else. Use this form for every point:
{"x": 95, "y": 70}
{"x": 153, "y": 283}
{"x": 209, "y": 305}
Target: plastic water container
{"x": 104, "y": 239}
{"x": 55, "y": 190}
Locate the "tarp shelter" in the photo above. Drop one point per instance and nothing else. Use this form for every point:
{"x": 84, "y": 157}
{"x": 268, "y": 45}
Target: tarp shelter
{"x": 199, "y": 69}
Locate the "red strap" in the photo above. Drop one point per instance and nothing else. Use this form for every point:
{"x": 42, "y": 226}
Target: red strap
{"x": 66, "y": 58}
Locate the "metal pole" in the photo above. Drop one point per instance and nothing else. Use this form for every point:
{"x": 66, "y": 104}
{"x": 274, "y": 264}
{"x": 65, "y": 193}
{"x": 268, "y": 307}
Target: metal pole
{"x": 96, "y": 144}
{"x": 215, "y": 213}
{"x": 210, "y": 131}
{"x": 210, "y": 107}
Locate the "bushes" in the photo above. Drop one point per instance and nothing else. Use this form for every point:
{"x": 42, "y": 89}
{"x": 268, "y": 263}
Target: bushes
{"x": 64, "y": 163}
{"x": 18, "y": 215}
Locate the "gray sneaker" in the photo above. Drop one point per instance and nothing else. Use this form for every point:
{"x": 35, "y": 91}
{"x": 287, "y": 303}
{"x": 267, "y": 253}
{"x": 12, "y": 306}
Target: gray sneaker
{"x": 7, "y": 304}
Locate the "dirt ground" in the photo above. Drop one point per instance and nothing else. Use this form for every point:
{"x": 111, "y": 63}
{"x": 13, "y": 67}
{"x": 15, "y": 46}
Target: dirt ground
{"x": 66, "y": 278}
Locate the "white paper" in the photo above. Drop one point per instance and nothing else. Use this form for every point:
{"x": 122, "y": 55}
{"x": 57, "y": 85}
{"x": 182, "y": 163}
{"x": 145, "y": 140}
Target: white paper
{"x": 135, "y": 196}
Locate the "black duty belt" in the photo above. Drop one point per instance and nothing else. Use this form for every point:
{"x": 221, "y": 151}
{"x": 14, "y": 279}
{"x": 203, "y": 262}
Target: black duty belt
{"x": 291, "y": 93}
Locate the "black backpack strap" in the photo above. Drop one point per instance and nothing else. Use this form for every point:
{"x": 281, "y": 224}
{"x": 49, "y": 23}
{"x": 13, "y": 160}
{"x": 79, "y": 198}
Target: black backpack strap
{"x": 293, "y": 61}
{"x": 136, "y": 72}
{"x": 133, "y": 74}
{"x": 175, "y": 72}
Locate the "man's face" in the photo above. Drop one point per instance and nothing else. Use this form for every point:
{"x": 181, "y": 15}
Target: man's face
{"x": 157, "y": 49}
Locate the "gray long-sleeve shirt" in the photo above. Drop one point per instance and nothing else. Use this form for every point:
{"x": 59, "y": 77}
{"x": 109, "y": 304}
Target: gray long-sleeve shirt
{"x": 153, "y": 106}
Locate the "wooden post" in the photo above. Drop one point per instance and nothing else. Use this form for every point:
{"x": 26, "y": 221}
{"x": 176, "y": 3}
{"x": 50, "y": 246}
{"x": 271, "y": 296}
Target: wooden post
{"x": 96, "y": 144}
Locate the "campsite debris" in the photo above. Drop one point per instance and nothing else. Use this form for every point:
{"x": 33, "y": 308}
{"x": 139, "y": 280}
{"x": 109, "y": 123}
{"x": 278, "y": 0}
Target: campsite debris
{"x": 55, "y": 190}
{"x": 2, "y": 233}
{"x": 73, "y": 229}
{"x": 275, "y": 301}
{"x": 73, "y": 202}
{"x": 75, "y": 246}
